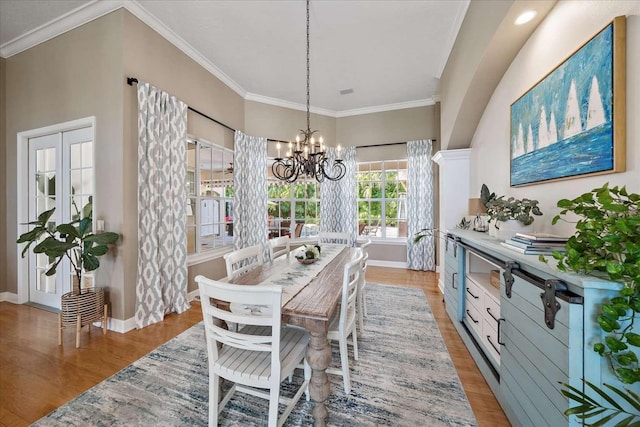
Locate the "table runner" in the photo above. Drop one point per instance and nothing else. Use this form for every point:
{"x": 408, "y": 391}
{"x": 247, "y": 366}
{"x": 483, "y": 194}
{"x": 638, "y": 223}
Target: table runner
{"x": 293, "y": 277}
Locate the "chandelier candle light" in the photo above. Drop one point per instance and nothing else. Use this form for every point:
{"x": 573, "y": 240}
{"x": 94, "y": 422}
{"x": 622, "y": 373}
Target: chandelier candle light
{"x": 307, "y": 157}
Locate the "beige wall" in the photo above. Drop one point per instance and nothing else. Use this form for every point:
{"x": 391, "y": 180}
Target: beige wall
{"x": 72, "y": 76}
{"x": 3, "y": 180}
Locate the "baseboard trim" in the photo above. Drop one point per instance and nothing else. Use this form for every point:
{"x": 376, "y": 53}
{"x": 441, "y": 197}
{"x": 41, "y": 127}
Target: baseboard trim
{"x": 9, "y": 297}
{"x": 391, "y": 264}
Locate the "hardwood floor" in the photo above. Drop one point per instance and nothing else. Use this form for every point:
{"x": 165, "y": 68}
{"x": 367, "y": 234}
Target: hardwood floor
{"x": 37, "y": 375}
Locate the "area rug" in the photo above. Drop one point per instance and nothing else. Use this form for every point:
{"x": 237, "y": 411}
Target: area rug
{"x": 404, "y": 377}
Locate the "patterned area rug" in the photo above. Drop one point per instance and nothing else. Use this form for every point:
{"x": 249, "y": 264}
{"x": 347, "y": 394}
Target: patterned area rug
{"x": 404, "y": 377}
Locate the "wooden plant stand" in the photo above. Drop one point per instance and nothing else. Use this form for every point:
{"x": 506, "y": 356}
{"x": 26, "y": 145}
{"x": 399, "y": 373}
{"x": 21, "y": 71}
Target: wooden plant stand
{"x": 82, "y": 309}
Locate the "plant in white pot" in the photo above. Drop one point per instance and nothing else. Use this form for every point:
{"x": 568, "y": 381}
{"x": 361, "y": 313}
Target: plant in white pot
{"x": 76, "y": 242}
{"x": 512, "y": 215}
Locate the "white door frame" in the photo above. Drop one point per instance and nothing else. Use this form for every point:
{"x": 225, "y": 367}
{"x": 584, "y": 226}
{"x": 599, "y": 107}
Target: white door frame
{"x": 22, "y": 183}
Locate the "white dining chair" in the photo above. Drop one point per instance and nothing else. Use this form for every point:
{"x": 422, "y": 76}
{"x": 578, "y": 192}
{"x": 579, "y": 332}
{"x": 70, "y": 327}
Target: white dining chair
{"x": 333, "y": 237}
{"x": 362, "y": 302}
{"x": 343, "y": 323}
{"x": 279, "y": 246}
{"x": 242, "y": 260}
{"x": 257, "y": 357}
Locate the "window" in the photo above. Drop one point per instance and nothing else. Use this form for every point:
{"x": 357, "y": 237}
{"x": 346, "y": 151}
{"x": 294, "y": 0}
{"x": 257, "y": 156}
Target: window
{"x": 293, "y": 209}
{"x": 210, "y": 197}
{"x": 382, "y": 191}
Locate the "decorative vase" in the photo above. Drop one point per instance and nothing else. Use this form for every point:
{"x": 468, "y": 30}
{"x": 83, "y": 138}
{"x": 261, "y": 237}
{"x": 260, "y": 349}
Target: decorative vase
{"x": 492, "y": 229}
{"x": 509, "y": 228}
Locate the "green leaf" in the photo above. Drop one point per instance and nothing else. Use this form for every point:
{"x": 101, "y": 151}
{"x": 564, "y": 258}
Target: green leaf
{"x": 604, "y": 395}
{"x": 98, "y": 250}
{"x": 607, "y": 324}
{"x": 105, "y": 238}
{"x": 610, "y": 311}
{"x": 633, "y": 339}
{"x": 32, "y": 235}
{"x": 43, "y": 218}
{"x": 627, "y": 376}
{"x": 84, "y": 226}
{"x": 604, "y": 420}
{"x": 67, "y": 229}
{"x": 615, "y": 344}
{"x": 578, "y": 410}
{"x": 599, "y": 348}
{"x": 626, "y": 396}
{"x": 90, "y": 262}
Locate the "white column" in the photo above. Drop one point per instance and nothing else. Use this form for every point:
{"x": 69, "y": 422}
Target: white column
{"x": 453, "y": 175}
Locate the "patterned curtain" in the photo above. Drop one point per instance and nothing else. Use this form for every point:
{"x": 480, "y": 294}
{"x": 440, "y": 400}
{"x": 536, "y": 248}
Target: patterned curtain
{"x": 338, "y": 201}
{"x": 250, "y": 192}
{"x": 420, "y": 256}
{"x": 162, "y": 239}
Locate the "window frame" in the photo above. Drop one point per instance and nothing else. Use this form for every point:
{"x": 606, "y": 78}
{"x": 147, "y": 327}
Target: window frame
{"x": 195, "y": 197}
{"x": 382, "y": 183}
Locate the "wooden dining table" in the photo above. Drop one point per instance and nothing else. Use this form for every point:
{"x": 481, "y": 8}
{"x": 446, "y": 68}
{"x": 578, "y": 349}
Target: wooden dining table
{"x": 311, "y": 309}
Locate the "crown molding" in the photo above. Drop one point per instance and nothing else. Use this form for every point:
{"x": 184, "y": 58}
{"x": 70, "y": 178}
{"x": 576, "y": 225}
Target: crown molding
{"x": 70, "y": 20}
{"x": 287, "y": 104}
{"x": 344, "y": 113}
{"x": 388, "y": 107}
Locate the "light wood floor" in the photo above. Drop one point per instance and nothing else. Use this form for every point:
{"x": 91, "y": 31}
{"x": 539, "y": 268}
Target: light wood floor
{"x": 37, "y": 375}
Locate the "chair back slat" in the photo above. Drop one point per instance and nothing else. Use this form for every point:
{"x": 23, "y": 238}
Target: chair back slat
{"x": 268, "y": 298}
{"x": 350, "y": 281}
{"x": 242, "y": 260}
{"x": 334, "y": 237}
{"x": 284, "y": 245}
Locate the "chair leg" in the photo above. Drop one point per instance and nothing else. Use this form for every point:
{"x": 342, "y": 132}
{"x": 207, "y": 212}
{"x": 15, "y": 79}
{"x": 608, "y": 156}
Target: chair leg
{"x": 104, "y": 321}
{"x": 344, "y": 360}
{"x": 360, "y": 309}
{"x": 78, "y": 327}
{"x": 274, "y": 398}
{"x": 214, "y": 398}
{"x": 60, "y": 328}
{"x": 364, "y": 303}
{"x": 354, "y": 335}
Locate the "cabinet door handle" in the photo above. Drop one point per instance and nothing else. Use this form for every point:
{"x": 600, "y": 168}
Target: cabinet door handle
{"x": 492, "y": 344}
{"x": 453, "y": 280}
{"x": 470, "y": 293}
{"x": 491, "y": 314}
{"x": 500, "y": 330}
{"x": 471, "y": 317}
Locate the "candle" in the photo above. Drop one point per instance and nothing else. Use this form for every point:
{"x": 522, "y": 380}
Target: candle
{"x": 338, "y": 152}
{"x": 278, "y": 146}
{"x": 297, "y": 142}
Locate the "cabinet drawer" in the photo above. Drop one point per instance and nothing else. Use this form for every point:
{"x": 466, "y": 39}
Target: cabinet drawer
{"x": 490, "y": 338}
{"x": 491, "y": 309}
{"x": 474, "y": 294}
{"x": 473, "y": 319}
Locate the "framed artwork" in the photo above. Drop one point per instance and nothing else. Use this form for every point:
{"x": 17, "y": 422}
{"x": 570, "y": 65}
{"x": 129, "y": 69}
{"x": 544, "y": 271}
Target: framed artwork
{"x": 572, "y": 122}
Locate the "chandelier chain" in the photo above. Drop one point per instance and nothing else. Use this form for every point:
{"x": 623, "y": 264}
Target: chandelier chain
{"x": 308, "y": 73}
{"x": 305, "y": 159}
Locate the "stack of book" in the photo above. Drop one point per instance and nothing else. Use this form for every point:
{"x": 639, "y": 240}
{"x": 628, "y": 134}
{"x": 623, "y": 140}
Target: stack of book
{"x": 535, "y": 243}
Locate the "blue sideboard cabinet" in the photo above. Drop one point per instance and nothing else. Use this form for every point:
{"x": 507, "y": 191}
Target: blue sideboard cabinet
{"x": 530, "y": 332}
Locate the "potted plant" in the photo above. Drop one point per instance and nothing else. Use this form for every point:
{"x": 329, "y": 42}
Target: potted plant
{"x": 607, "y": 244}
{"x": 77, "y": 242}
{"x": 512, "y": 215}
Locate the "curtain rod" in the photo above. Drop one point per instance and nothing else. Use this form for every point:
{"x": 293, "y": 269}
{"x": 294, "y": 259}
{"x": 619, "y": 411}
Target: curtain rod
{"x": 389, "y": 143}
{"x": 132, "y": 80}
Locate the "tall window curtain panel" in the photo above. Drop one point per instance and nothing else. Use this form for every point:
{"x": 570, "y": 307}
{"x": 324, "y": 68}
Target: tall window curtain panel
{"x": 421, "y": 255}
{"x": 250, "y": 192}
{"x": 162, "y": 190}
{"x": 338, "y": 201}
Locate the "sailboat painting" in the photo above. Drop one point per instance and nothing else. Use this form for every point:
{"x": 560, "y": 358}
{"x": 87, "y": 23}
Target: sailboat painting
{"x": 564, "y": 126}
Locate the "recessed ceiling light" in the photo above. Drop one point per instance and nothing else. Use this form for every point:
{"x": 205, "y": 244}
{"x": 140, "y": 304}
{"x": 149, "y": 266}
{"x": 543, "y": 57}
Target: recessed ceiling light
{"x": 525, "y": 17}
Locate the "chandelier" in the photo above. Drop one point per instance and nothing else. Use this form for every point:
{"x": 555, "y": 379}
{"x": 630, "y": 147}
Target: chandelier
{"x": 307, "y": 157}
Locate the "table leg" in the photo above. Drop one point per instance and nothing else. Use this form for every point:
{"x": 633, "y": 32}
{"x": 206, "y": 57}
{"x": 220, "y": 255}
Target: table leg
{"x": 319, "y": 357}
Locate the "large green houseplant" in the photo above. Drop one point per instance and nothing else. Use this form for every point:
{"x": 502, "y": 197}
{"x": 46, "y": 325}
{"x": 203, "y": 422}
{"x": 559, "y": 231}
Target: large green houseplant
{"x": 607, "y": 244}
{"x": 74, "y": 240}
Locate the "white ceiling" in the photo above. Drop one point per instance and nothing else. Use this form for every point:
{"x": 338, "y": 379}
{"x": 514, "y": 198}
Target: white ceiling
{"x": 390, "y": 52}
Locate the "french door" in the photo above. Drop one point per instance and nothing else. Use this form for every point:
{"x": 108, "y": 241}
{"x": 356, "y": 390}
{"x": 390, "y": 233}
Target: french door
{"x": 61, "y": 177}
